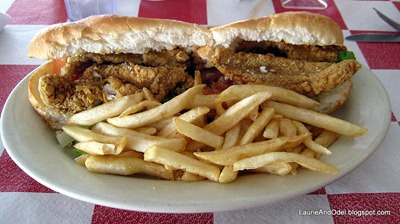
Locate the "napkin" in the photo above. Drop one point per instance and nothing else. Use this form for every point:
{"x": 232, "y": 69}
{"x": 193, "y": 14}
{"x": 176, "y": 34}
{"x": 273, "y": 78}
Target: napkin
{"x": 4, "y": 18}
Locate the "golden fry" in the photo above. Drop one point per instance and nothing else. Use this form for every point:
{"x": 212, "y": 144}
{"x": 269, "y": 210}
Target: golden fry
{"x": 138, "y": 141}
{"x": 229, "y": 156}
{"x": 227, "y": 175}
{"x": 256, "y": 127}
{"x": 273, "y": 157}
{"x": 287, "y": 127}
{"x": 277, "y": 168}
{"x": 309, "y": 142}
{"x": 272, "y": 129}
{"x": 179, "y": 161}
{"x": 317, "y": 119}
{"x": 231, "y": 137}
{"x": 201, "y": 100}
{"x": 126, "y": 166}
{"x": 148, "y": 104}
{"x": 169, "y": 130}
{"x": 238, "y": 92}
{"x": 235, "y": 113}
{"x": 198, "y": 134}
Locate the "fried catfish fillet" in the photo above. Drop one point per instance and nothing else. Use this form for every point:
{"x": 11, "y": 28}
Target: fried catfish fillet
{"x": 305, "y": 77}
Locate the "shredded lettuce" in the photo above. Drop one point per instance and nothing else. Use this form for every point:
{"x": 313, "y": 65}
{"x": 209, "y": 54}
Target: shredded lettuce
{"x": 346, "y": 55}
{"x": 78, "y": 152}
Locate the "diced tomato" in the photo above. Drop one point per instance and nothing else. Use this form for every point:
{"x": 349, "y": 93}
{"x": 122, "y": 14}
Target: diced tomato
{"x": 58, "y": 64}
{"x": 215, "y": 81}
{"x": 210, "y": 75}
{"x": 222, "y": 84}
{"x": 76, "y": 77}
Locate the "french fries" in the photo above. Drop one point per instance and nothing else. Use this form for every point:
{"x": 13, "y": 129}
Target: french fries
{"x": 166, "y": 110}
{"x": 194, "y": 137}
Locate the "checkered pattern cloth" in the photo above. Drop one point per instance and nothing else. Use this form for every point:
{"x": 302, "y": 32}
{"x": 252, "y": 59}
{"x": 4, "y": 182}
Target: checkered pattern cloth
{"x": 373, "y": 186}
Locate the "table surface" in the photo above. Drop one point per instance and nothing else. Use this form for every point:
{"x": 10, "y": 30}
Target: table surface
{"x": 373, "y": 187}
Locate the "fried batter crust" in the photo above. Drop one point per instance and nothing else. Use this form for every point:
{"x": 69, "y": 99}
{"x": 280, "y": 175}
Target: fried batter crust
{"x": 80, "y": 85}
{"x": 305, "y": 77}
{"x": 59, "y": 93}
{"x": 159, "y": 80}
{"x": 301, "y": 52}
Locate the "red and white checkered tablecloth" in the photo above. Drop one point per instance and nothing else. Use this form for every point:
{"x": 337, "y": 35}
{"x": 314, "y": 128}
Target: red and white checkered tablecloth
{"x": 373, "y": 186}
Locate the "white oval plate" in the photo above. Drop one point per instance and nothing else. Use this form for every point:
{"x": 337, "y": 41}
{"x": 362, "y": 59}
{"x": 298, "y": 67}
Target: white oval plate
{"x": 33, "y": 147}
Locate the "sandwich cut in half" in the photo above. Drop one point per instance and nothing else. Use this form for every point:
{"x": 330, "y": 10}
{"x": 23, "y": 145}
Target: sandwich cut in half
{"x": 300, "y": 51}
{"x": 101, "y": 58}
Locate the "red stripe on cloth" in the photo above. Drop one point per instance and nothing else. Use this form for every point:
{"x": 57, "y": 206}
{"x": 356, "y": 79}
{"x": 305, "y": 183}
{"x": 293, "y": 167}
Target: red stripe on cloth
{"x": 397, "y": 4}
{"x": 365, "y": 208}
{"x": 380, "y": 55}
{"x": 193, "y": 11}
{"x": 37, "y": 12}
{"x": 332, "y": 11}
{"x": 13, "y": 179}
{"x": 393, "y": 118}
{"x": 10, "y": 75}
{"x": 103, "y": 214}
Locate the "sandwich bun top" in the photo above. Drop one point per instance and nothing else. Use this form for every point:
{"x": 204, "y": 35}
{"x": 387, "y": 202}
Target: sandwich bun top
{"x": 116, "y": 34}
{"x": 298, "y": 28}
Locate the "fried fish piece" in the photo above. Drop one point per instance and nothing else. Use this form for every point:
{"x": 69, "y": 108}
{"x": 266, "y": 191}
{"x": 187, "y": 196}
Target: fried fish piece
{"x": 305, "y": 77}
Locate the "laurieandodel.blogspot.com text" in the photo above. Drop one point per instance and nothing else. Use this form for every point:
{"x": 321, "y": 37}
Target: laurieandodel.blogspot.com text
{"x": 344, "y": 212}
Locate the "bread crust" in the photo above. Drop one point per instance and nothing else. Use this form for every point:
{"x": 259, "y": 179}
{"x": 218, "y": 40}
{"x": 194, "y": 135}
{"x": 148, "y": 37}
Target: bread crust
{"x": 291, "y": 27}
{"x": 113, "y": 34}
